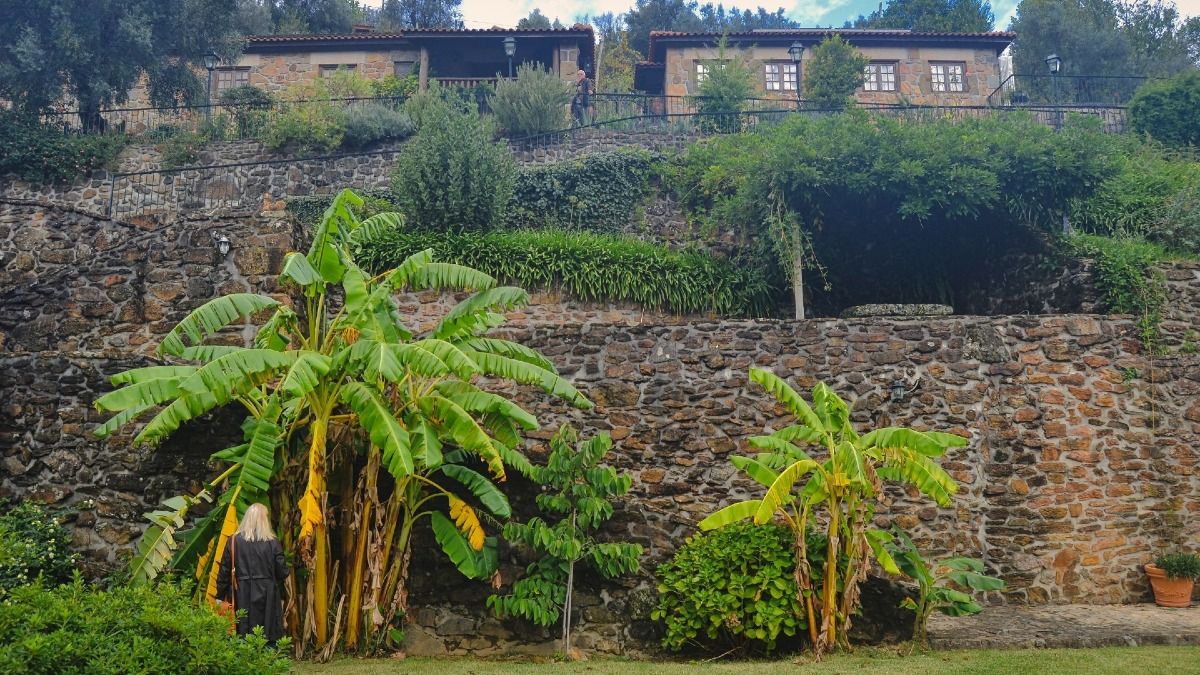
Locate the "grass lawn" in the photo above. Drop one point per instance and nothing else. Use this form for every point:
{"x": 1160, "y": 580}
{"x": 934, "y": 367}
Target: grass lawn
{"x": 1115, "y": 660}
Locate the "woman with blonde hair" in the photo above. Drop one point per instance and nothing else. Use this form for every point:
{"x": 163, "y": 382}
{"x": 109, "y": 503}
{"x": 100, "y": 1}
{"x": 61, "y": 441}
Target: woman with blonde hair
{"x": 252, "y": 569}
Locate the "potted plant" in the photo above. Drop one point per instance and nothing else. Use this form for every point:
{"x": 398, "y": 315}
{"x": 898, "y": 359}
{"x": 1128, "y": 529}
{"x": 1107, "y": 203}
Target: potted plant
{"x": 1172, "y": 577}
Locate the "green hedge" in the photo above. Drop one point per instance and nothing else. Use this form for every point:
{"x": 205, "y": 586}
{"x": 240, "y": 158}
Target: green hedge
{"x": 146, "y": 629}
{"x": 44, "y": 154}
{"x": 599, "y": 192}
{"x": 592, "y": 267}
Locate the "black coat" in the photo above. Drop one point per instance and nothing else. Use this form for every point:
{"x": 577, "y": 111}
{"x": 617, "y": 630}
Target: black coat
{"x": 261, "y": 568}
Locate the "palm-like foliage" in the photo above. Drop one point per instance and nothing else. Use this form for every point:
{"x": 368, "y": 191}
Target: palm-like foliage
{"x": 836, "y": 486}
{"x": 341, "y": 388}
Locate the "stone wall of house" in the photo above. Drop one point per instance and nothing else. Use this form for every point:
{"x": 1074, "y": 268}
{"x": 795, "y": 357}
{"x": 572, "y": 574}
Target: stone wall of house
{"x": 913, "y": 75}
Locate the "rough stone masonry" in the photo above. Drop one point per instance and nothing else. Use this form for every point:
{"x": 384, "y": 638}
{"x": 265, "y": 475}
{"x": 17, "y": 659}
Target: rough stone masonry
{"x": 1082, "y": 463}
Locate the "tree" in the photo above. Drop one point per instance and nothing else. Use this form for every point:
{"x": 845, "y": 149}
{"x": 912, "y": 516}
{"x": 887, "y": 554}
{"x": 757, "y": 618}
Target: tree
{"x": 538, "y": 21}
{"x": 1169, "y": 110}
{"x": 314, "y": 16}
{"x": 650, "y": 15}
{"x": 94, "y": 53}
{"x": 951, "y": 16}
{"x": 837, "y": 488}
{"x": 1100, "y": 38}
{"x": 834, "y": 73}
{"x": 617, "y": 59}
{"x": 580, "y": 495}
{"x": 336, "y": 391}
{"x": 716, "y": 19}
{"x": 401, "y": 14}
{"x": 727, "y": 86}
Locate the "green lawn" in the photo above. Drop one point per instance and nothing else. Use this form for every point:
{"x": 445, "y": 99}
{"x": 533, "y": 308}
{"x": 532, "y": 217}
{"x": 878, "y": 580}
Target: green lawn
{"x": 1115, "y": 660}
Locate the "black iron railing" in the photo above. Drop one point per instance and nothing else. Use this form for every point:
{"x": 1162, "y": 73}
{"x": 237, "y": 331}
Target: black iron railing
{"x": 1066, "y": 90}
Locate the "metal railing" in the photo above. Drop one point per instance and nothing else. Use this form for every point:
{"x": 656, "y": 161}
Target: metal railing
{"x": 218, "y": 121}
{"x": 1066, "y": 90}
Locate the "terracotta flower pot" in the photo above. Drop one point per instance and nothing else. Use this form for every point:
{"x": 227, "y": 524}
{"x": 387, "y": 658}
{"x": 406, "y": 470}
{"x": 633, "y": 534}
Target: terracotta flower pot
{"x": 1169, "y": 592}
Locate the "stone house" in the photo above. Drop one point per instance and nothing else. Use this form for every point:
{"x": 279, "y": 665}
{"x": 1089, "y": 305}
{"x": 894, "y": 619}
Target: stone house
{"x": 453, "y": 57}
{"x": 905, "y": 66}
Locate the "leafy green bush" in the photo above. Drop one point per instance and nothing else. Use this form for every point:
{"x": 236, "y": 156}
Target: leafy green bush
{"x": 46, "y": 154}
{"x": 1125, "y": 274}
{"x": 249, "y": 107}
{"x": 597, "y": 192}
{"x": 728, "y": 84}
{"x": 452, "y": 175}
{"x": 591, "y": 267}
{"x": 180, "y": 148}
{"x": 399, "y": 88}
{"x": 1180, "y": 565}
{"x": 533, "y": 103}
{"x": 146, "y": 629}
{"x": 308, "y": 119}
{"x": 1169, "y": 110}
{"x": 33, "y": 544}
{"x": 430, "y": 106}
{"x": 371, "y": 123}
{"x": 1148, "y": 196}
{"x": 833, "y": 73}
{"x": 730, "y": 588}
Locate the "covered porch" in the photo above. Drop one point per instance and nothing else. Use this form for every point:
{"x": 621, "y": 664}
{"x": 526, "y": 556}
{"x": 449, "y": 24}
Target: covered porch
{"x": 468, "y": 58}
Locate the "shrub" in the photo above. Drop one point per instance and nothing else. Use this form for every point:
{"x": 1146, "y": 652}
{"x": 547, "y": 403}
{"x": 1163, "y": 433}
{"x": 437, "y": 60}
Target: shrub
{"x": 371, "y": 123}
{"x": 596, "y": 192}
{"x": 592, "y": 267}
{"x": 1129, "y": 284}
{"x": 533, "y": 103}
{"x": 399, "y": 88}
{"x": 307, "y": 126}
{"x": 308, "y": 119}
{"x": 431, "y": 105}
{"x": 730, "y": 589}
{"x": 834, "y": 73}
{"x": 1147, "y": 196}
{"x": 1180, "y": 565}
{"x": 452, "y": 175}
{"x": 728, "y": 84}
{"x": 147, "y": 629}
{"x": 46, "y": 154}
{"x": 180, "y": 148}
{"x": 33, "y": 544}
{"x": 249, "y": 107}
{"x": 1169, "y": 110}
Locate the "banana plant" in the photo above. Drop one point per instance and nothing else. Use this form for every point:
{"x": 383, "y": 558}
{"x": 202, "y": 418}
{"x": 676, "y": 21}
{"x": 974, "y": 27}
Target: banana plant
{"x": 821, "y": 472}
{"x": 356, "y": 426}
{"x": 947, "y": 586}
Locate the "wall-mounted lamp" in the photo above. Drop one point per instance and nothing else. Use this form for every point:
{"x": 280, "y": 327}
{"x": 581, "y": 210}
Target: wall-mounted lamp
{"x": 222, "y": 243}
{"x": 896, "y": 391}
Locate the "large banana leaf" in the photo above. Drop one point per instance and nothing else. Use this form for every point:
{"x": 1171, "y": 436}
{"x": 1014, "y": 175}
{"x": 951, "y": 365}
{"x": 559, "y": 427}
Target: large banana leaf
{"x": 731, "y": 514}
{"x": 211, "y": 317}
{"x": 788, "y": 397}
{"x": 484, "y": 490}
{"x": 466, "y": 432}
{"x": 158, "y": 542}
{"x": 780, "y": 492}
{"x": 472, "y": 399}
{"x": 512, "y": 350}
{"x": 188, "y": 406}
{"x": 473, "y": 564}
{"x": 151, "y": 373}
{"x": 390, "y": 361}
{"x": 375, "y": 415}
{"x": 229, "y": 373}
{"x": 930, "y": 445}
{"x": 305, "y": 373}
{"x": 466, "y": 319}
{"x": 458, "y": 361}
{"x": 526, "y": 373}
{"x": 298, "y": 270}
{"x": 776, "y": 443}
{"x": 374, "y": 227}
{"x": 760, "y": 472}
{"x": 922, "y": 473}
{"x": 325, "y": 254}
{"x": 141, "y": 394}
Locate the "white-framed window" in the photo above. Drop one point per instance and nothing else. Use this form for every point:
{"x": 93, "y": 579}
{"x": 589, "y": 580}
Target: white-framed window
{"x": 327, "y": 69}
{"x": 779, "y": 76}
{"x": 702, "y": 69}
{"x": 880, "y": 76}
{"x": 228, "y": 77}
{"x": 404, "y": 68}
{"x": 948, "y": 76}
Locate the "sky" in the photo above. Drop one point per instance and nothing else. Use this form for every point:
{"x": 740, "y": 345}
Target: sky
{"x": 506, "y": 13}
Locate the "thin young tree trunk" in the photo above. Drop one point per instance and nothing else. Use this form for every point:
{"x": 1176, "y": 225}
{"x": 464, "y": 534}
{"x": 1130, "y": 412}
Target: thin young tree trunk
{"x": 798, "y": 280}
{"x": 566, "y": 634}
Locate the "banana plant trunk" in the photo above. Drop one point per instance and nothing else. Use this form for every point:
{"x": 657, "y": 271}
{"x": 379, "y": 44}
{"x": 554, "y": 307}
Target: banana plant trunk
{"x": 798, "y": 280}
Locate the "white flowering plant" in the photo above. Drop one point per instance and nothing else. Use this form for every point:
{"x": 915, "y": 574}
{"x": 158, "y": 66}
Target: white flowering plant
{"x": 33, "y": 543}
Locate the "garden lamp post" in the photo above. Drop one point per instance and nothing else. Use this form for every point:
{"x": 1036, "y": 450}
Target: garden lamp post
{"x": 1054, "y": 64}
{"x": 510, "y": 48}
{"x": 210, "y": 64}
{"x": 796, "y": 51}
